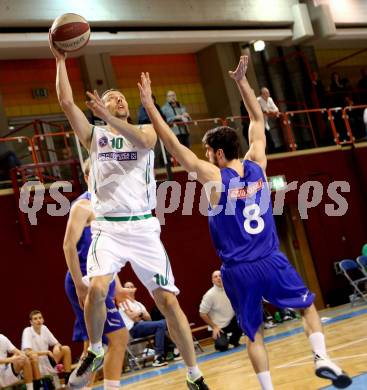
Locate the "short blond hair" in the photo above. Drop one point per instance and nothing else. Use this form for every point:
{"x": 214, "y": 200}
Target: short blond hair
{"x": 108, "y": 91}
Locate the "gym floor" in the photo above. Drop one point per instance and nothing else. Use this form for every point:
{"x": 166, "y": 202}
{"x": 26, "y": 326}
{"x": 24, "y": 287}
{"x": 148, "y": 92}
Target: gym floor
{"x": 291, "y": 362}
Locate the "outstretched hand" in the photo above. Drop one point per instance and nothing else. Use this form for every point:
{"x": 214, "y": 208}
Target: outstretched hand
{"x": 145, "y": 89}
{"x": 240, "y": 72}
{"x": 96, "y": 105}
{"x": 121, "y": 296}
{"x": 58, "y": 54}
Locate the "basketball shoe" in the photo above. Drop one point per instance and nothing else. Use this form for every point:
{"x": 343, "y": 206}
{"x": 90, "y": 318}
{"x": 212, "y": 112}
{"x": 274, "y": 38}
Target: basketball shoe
{"x": 198, "y": 384}
{"x": 82, "y": 374}
{"x": 325, "y": 368}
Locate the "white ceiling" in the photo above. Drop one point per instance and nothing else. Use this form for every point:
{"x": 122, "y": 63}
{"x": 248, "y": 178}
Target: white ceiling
{"x": 35, "y": 45}
{"x": 345, "y": 38}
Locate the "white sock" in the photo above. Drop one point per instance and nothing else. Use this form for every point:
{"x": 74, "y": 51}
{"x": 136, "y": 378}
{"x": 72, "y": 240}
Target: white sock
{"x": 265, "y": 380}
{"x": 111, "y": 385}
{"x": 97, "y": 348}
{"x": 317, "y": 341}
{"x": 176, "y": 351}
{"x": 194, "y": 373}
{"x": 29, "y": 386}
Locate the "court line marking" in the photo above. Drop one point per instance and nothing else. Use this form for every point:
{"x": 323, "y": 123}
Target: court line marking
{"x": 311, "y": 361}
{"x": 215, "y": 355}
{"x": 340, "y": 346}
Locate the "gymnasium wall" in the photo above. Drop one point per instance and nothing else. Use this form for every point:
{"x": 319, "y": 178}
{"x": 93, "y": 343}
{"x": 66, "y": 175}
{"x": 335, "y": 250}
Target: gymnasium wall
{"x": 19, "y": 77}
{"x": 32, "y": 276}
{"x": 178, "y": 72}
{"x": 331, "y": 239}
{"x": 349, "y": 68}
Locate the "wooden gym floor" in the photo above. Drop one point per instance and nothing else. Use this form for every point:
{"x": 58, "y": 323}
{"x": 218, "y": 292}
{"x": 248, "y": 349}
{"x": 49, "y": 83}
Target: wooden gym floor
{"x": 289, "y": 353}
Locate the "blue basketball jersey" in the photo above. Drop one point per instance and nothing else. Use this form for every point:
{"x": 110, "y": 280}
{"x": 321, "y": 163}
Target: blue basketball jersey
{"x": 85, "y": 240}
{"x": 242, "y": 226}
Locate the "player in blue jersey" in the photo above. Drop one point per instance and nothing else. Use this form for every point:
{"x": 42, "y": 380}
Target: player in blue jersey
{"x": 243, "y": 231}
{"x": 77, "y": 241}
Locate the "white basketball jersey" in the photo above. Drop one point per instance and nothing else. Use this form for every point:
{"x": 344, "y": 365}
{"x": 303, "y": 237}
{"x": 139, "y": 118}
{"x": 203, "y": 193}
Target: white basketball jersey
{"x": 121, "y": 179}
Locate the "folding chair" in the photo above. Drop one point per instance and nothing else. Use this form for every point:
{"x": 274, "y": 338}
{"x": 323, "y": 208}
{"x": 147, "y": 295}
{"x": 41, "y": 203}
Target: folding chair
{"x": 355, "y": 277}
{"x": 136, "y": 357}
{"x": 362, "y": 262}
{"x": 197, "y": 344}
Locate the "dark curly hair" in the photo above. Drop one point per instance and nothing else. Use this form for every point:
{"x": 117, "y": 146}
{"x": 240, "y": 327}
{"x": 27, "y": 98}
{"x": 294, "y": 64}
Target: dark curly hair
{"x": 225, "y": 138}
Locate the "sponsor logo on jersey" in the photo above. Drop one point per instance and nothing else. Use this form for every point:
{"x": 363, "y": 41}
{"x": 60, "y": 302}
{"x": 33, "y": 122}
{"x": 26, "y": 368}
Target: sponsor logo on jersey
{"x": 103, "y": 141}
{"x": 118, "y": 156}
{"x": 246, "y": 192}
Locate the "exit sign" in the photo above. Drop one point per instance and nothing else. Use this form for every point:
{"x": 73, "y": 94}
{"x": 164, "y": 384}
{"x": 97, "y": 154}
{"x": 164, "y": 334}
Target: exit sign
{"x": 277, "y": 183}
{"x": 39, "y": 93}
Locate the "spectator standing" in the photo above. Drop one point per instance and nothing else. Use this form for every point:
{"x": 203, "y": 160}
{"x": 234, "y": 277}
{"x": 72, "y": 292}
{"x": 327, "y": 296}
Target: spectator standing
{"x": 337, "y": 88}
{"x": 319, "y": 89}
{"x": 176, "y": 112}
{"x": 270, "y": 110}
{"x": 143, "y": 117}
{"x": 8, "y": 160}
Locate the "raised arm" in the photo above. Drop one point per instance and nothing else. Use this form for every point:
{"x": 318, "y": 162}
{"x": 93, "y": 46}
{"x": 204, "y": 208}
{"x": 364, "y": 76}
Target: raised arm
{"x": 80, "y": 214}
{"x": 257, "y": 138}
{"x": 191, "y": 163}
{"x": 75, "y": 115}
{"x": 142, "y": 136}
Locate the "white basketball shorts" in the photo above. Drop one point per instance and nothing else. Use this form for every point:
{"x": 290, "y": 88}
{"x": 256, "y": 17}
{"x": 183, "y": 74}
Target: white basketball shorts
{"x": 116, "y": 242}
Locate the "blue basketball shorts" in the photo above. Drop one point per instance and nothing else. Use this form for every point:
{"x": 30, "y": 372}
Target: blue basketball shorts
{"x": 113, "y": 321}
{"x": 273, "y": 279}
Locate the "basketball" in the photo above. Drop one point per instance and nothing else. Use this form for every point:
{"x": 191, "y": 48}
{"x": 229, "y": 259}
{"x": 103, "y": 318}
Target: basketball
{"x": 70, "y": 32}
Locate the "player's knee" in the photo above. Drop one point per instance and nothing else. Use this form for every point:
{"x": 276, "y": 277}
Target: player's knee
{"x": 167, "y": 303}
{"x": 117, "y": 347}
{"x": 33, "y": 358}
{"x": 27, "y": 362}
{"x": 98, "y": 291}
{"x": 66, "y": 350}
{"x": 118, "y": 341}
{"x": 22, "y": 361}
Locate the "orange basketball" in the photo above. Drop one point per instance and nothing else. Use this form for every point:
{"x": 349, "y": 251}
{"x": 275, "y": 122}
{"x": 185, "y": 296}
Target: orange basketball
{"x": 70, "y": 32}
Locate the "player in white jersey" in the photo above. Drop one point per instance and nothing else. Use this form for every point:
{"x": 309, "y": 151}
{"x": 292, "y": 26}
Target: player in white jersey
{"x": 122, "y": 180}
{"x": 123, "y": 195}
